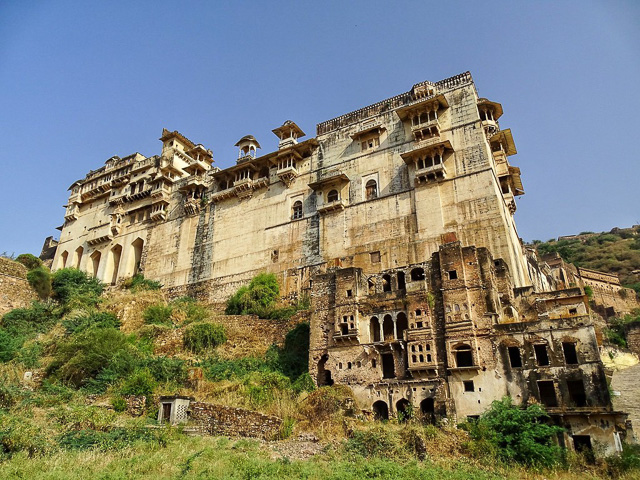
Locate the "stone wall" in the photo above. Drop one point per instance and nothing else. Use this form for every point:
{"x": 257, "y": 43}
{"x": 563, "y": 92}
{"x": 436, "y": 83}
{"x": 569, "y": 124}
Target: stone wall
{"x": 633, "y": 338}
{"x": 15, "y": 291}
{"x": 221, "y": 420}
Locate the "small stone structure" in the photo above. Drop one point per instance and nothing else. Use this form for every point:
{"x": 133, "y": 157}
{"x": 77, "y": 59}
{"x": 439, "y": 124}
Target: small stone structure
{"x": 174, "y": 409}
{"x": 218, "y": 419}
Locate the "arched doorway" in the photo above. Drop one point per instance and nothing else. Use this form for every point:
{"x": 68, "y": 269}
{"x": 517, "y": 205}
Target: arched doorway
{"x": 387, "y": 328}
{"x": 324, "y": 375}
{"x": 403, "y": 407}
{"x": 374, "y": 330}
{"x": 402, "y": 324}
{"x": 428, "y": 410}
{"x": 380, "y": 410}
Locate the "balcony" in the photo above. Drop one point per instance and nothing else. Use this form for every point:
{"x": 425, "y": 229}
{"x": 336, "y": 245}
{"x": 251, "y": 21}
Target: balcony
{"x": 432, "y": 173}
{"x": 72, "y": 213}
{"x": 223, "y": 194}
{"x": 160, "y": 194}
{"x": 158, "y": 213}
{"x": 138, "y": 195}
{"x": 287, "y": 175}
{"x": 427, "y": 130}
{"x": 96, "y": 192}
{"x": 100, "y": 234}
{"x": 119, "y": 181}
{"x": 331, "y": 206}
{"x": 192, "y": 206}
{"x": 351, "y": 336}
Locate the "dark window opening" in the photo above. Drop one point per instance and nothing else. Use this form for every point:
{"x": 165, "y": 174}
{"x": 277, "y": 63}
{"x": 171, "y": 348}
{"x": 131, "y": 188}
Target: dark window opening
{"x": 374, "y": 330}
{"x": 468, "y": 386}
{"x": 428, "y": 357}
{"x": 388, "y": 367}
{"x": 344, "y": 329}
{"x": 570, "y": 354}
{"x": 380, "y": 410}
{"x": 464, "y": 357}
{"x": 332, "y": 196}
{"x": 453, "y": 274}
{"x": 418, "y": 312}
{"x": 547, "y": 393}
{"x": 349, "y": 293}
{"x": 401, "y": 282}
{"x": 542, "y": 357}
{"x": 582, "y": 444}
{"x": 374, "y": 364}
{"x": 515, "y": 359}
{"x": 577, "y": 394}
{"x": 573, "y": 311}
{"x": 386, "y": 283}
{"x": 371, "y": 286}
{"x": 417, "y": 274}
{"x": 387, "y": 329}
{"x": 166, "y": 412}
{"x": 402, "y": 324}
{"x": 418, "y": 324}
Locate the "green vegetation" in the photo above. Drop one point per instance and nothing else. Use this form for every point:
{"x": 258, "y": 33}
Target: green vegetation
{"x": 201, "y": 337}
{"x": 260, "y": 297}
{"x": 138, "y": 282}
{"x": 40, "y": 279}
{"x": 158, "y": 315}
{"x": 74, "y": 288}
{"x": 28, "y": 260}
{"x": 514, "y": 434}
{"x": 616, "y": 331}
{"x": 617, "y": 252}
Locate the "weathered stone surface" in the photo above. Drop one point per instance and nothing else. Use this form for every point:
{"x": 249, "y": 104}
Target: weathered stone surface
{"x": 221, "y": 420}
{"x": 15, "y": 291}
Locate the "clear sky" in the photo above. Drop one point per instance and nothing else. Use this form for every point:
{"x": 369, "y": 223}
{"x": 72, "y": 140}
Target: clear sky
{"x": 82, "y": 81}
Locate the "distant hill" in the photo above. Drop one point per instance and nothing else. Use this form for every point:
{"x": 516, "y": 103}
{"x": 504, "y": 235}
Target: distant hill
{"x": 617, "y": 251}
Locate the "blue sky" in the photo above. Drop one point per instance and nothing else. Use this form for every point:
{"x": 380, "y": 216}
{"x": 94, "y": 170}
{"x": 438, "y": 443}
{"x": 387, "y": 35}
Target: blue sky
{"x": 83, "y": 81}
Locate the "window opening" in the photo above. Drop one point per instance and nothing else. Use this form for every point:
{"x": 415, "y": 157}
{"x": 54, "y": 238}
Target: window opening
{"x": 515, "y": 359}
{"x": 468, "y": 386}
{"x": 332, "y": 196}
{"x": 371, "y": 190}
{"x": 297, "y": 210}
{"x": 570, "y": 354}
{"x": 386, "y": 283}
{"x": 401, "y": 282}
{"x": 542, "y": 357}
{"x": 374, "y": 330}
{"x": 577, "y": 395}
{"x": 464, "y": 357}
{"x": 453, "y": 275}
{"x": 547, "y": 393}
{"x": 417, "y": 274}
{"x": 388, "y": 367}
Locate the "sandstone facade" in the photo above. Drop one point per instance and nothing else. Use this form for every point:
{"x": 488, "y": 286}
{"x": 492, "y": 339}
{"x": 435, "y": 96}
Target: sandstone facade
{"x": 15, "y": 291}
{"x": 397, "y": 220}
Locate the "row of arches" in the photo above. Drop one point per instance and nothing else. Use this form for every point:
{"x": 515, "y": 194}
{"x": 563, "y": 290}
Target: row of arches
{"x": 390, "y": 329}
{"x": 404, "y": 409}
{"x": 108, "y": 265}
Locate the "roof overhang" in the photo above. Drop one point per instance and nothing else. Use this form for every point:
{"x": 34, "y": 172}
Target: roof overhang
{"x": 497, "y": 108}
{"x": 410, "y": 155}
{"x": 287, "y": 128}
{"x": 514, "y": 173}
{"x": 506, "y": 139}
{"x": 338, "y": 177}
{"x": 404, "y": 111}
{"x": 368, "y": 129}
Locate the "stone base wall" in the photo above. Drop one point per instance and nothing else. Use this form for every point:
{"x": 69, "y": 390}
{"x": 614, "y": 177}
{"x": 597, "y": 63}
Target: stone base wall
{"x": 15, "y": 291}
{"x": 221, "y": 420}
{"x": 633, "y": 338}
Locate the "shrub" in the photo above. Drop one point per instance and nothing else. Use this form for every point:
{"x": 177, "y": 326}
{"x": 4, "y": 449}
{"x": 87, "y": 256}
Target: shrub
{"x": 9, "y": 345}
{"x": 29, "y": 261}
{"x": 517, "y": 434}
{"x": 158, "y": 315}
{"x": 166, "y": 369}
{"x": 293, "y": 358}
{"x": 38, "y": 318}
{"x": 140, "y": 383}
{"x": 629, "y": 459}
{"x": 204, "y": 336}
{"x": 86, "y": 355}
{"x": 114, "y": 439}
{"x": 119, "y": 404}
{"x": 72, "y": 286}
{"x": 376, "y": 441}
{"x": 29, "y": 355}
{"x": 217, "y": 369}
{"x": 189, "y": 310}
{"x": 138, "y": 282}
{"x": 262, "y": 291}
{"x": 262, "y": 387}
{"x": 326, "y": 402}
{"x": 92, "y": 320}
{"x": 304, "y": 383}
{"x": 40, "y": 279}
{"x": 20, "y": 435}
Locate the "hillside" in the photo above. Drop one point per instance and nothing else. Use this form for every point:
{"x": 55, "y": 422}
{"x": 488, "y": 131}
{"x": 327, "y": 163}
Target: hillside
{"x": 617, "y": 251}
{"x": 82, "y": 372}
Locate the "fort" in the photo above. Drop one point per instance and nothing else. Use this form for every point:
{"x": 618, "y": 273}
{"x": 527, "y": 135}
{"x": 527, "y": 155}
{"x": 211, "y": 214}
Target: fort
{"x": 397, "y": 221}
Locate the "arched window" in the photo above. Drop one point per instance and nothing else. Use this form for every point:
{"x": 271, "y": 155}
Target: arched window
{"x": 332, "y": 196}
{"x": 402, "y": 324}
{"x": 371, "y": 190}
{"x": 374, "y": 330}
{"x": 297, "y": 210}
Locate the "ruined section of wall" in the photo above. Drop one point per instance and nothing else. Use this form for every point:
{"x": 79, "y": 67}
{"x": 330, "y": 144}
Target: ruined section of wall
{"x": 221, "y": 420}
{"x": 633, "y": 338}
{"x": 15, "y": 291}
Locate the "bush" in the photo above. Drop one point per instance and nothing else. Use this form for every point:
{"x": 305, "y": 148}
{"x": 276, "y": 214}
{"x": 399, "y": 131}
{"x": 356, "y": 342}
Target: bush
{"x": 158, "y": 315}
{"x": 114, "y": 439}
{"x": 94, "y": 351}
{"x": 24, "y": 322}
{"x": 262, "y": 292}
{"x": 293, "y": 358}
{"x": 326, "y": 402}
{"x": 140, "y": 383}
{"x": 263, "y": 387}
{"x": 629, "y": 459}
{"x": 40, "y": 279}
{"x": 9, "y": 346}
{"x": 92, "y": 320}
{"x": 119, "y": 404}
{"x": 304, "y": 383}
{"x": 29, "y": 261}
{"x": 166, "y": 369}
{"x": 588, "y": 291}
{"x": 189, "y": 310}
{"x": 204, "y": 336}
{"x": 517, "y": 434}
{"x": 72, "y": 286}
{"x": 29, "y": 355}
{"x": 19, "y": 435}
{"x": 217, "y": 369}
{"x": 376, "y": 441}
{"x": 138, "y": 282}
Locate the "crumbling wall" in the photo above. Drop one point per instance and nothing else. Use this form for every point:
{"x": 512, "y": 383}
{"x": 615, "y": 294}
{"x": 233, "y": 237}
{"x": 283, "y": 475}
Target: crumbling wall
{"x": 221, "y": 420}
{"x": 15, "y": 291}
